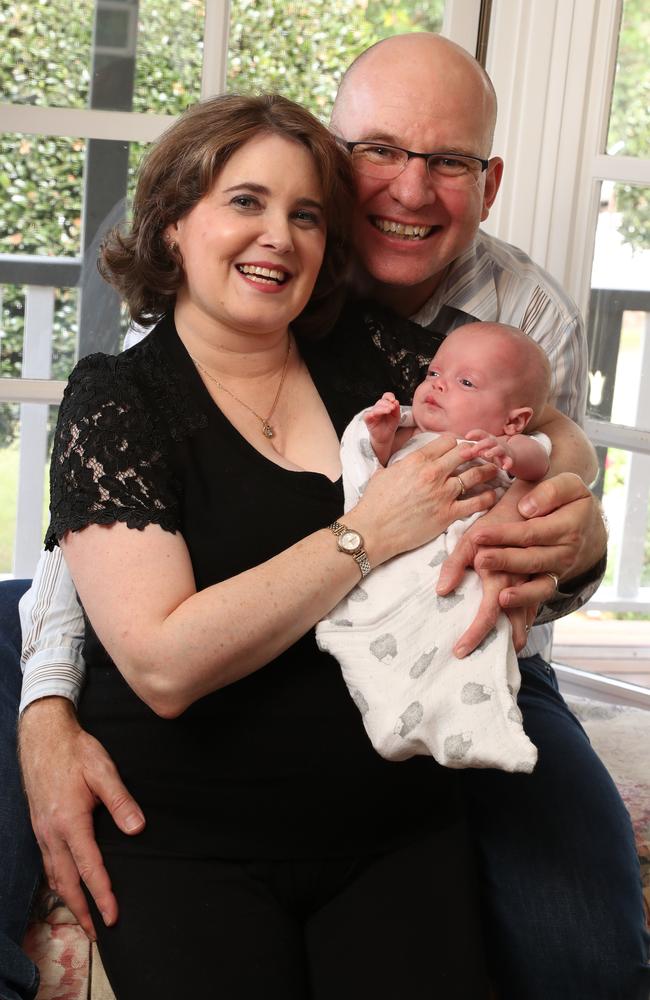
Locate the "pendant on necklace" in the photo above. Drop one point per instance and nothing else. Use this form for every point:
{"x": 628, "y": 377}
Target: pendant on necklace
{"x": 267, "y": 430}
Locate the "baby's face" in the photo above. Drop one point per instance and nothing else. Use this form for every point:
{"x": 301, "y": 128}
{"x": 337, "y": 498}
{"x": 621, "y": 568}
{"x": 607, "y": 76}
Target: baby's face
{"x": 468, "y": 385}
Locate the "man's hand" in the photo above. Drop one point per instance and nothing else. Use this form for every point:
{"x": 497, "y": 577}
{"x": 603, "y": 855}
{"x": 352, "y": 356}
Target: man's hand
{"x": 564, "y": 535}
{"x": 557, "y": 528}
{"x": 66, "y": 772}
{"x": 521, "y": 619}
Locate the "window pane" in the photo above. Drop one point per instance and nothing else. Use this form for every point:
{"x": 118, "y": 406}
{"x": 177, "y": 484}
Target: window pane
{"x": 25, "y": 440}
{"x": 119, "y": 55}
{"x": 619, "y": 311}
{"x": 301, "y": 49}
{"x": 52, "y": 351}
{"x": 629, "y": 123}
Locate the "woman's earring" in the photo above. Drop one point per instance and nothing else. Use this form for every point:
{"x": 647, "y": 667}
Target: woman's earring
{"x": 172, "y": 246}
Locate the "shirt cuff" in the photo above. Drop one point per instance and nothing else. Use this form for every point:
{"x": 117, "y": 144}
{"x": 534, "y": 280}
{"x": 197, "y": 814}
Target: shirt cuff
{"x": 50, "y": 672}
{"x": 574, "y": 593}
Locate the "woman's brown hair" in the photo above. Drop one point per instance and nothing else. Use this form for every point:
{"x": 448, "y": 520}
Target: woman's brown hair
{"x": 182, "y": 167}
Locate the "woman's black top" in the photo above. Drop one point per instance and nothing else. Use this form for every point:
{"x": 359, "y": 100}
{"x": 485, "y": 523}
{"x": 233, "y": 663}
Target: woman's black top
{"x": 278, "y": 764}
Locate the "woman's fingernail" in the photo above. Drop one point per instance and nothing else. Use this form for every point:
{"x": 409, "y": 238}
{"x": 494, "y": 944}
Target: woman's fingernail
{"x": 460, "y": 651}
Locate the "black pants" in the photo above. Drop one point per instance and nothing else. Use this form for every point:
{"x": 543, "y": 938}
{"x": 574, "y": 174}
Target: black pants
{"x": 402, "y": 925}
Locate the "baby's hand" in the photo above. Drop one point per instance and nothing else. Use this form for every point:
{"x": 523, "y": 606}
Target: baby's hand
{"x": 491, "y": 448}
{"x": 385, "y": 409}
{"x": 383, "y": 418}
{"x": 382, "y": 421}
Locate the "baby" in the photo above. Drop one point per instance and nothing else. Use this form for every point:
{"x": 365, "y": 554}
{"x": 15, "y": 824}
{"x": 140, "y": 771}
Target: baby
{"x": 393, "y": 635}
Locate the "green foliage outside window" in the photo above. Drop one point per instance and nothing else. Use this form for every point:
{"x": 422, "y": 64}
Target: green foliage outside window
{"x": 629, "y": 125}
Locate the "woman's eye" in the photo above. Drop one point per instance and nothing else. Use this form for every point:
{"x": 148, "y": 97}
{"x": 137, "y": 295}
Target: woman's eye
{"x": 307, "y": 217}
{"x": 245, "y": 201}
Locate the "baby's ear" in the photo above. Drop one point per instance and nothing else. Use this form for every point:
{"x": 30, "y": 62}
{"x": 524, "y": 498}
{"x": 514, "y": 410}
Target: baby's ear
{"x": 517, "y": 420}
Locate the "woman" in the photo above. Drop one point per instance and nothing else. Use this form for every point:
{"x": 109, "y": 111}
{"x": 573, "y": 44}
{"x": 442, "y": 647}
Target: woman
{"x": 277, "y": 840}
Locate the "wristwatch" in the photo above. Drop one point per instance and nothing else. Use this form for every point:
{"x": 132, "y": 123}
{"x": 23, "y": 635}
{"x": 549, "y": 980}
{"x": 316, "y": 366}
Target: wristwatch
{"x": 351, "y": 542}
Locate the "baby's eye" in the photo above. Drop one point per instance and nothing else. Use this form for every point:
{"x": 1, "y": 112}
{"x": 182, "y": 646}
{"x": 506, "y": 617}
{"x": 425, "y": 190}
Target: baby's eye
{"x": 466, "y": 382}
{"x": 432, "y": 373}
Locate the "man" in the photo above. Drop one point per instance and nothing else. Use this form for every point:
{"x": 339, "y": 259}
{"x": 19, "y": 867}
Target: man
{"x": 419, "y": 251}
{"x": 560, "y": 881}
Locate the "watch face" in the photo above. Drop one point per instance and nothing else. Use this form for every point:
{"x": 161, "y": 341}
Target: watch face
{"x": 350, "y": 541}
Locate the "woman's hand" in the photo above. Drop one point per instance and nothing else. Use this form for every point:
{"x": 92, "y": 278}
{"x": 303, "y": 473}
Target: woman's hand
{"x": 417, "y": 498}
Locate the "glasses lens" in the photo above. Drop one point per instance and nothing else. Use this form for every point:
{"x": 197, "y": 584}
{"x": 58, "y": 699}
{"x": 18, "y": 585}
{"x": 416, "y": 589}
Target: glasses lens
{"x": 378, "y": 161}
{"x": 453, "y": 171}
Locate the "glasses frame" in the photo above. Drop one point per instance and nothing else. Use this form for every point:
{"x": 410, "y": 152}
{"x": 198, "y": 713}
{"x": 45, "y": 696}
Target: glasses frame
{"x": 411, "y": 155}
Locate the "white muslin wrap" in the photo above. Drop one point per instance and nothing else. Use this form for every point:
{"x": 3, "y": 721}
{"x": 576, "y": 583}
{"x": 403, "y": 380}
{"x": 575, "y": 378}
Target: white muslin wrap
{"x": 393, "y": 637}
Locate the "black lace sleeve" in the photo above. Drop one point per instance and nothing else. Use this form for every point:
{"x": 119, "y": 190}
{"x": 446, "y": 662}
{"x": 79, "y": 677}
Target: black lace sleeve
{"x": 109, "y": 458}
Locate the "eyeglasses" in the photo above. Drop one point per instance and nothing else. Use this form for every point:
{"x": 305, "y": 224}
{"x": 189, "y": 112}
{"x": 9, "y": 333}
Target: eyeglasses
{"x": 450, "y": 169}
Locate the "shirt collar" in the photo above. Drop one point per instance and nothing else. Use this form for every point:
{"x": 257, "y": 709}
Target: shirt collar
{"x": 468, "y": 287}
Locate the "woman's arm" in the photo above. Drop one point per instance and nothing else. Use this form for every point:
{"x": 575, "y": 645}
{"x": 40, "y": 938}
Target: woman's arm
{"x": 174, "y": 645}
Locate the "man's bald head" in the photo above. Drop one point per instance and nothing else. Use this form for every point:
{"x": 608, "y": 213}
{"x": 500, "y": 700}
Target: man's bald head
{"x": 433, "y": 62}
{"x": 423, "y": 93}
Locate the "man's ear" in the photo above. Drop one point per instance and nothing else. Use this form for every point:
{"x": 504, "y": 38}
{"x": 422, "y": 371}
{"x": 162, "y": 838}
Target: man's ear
{"x": 517, "y": 420}
{"x": 493, "y": 177}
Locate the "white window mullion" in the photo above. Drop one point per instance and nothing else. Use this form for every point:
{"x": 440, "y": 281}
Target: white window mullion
{"x": 215, "y": 47}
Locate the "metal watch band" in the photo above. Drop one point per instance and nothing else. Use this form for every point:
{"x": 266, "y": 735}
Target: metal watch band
{"x": 360, "y": 557}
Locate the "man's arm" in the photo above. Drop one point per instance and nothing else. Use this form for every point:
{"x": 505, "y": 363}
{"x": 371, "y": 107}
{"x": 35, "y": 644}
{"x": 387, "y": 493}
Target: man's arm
{"x": 65, "y": 771}
{"x": 572, "y": 450}
{"x": 52, "y": 625}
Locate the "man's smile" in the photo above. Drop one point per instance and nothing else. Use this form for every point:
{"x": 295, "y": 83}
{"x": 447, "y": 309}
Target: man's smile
{"x": 402, "y": 230}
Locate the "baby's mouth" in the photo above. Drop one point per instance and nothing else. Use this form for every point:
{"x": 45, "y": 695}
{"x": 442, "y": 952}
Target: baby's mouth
{"x": 263, "y": 275}
{"x": 402, "y": 230}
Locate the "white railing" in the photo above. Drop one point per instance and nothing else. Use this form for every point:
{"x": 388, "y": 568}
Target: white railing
{"x": 34, "y": 391}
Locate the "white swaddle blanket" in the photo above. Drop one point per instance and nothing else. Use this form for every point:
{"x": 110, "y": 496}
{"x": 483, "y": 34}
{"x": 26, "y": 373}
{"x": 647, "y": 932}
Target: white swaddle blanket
{"x": 394, "y": 636}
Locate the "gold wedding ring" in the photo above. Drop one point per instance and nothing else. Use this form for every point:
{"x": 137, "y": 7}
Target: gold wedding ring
{"x": 554, "y": 578}
{"x": 463, "y": 490}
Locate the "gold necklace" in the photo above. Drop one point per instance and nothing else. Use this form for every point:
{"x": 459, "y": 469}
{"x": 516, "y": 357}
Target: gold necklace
{"x": 267, "y": 430}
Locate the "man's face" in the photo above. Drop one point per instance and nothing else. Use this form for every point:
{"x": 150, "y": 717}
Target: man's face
{"x": 427, "y": 109}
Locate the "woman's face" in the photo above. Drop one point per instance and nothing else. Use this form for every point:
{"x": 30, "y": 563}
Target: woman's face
{"x": 253, "y": 246}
